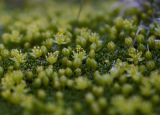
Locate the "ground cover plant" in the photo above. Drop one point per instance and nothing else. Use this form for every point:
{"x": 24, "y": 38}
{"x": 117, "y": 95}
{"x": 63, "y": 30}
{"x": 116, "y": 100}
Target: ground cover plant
{"x": 83, "y": 57}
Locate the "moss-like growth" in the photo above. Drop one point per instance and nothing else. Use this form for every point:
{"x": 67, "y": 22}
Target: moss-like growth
{"x": 105, "y": 62}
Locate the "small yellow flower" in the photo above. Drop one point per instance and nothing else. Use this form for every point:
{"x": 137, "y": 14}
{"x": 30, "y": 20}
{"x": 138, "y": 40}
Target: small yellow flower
{"x": 17, "y": 56}
{"x": 79, "y": 53}
{"x": 62, "y": 38}
{"x": 36, "y": 52}
{"x": 52, "y": 57}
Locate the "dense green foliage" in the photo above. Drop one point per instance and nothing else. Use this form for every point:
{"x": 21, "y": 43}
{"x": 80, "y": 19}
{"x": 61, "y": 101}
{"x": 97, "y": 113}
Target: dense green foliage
{"x": 104, "y": 60}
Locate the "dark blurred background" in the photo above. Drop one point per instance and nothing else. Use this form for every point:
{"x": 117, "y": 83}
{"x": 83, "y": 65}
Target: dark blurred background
{"x": 23, "y": 3}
